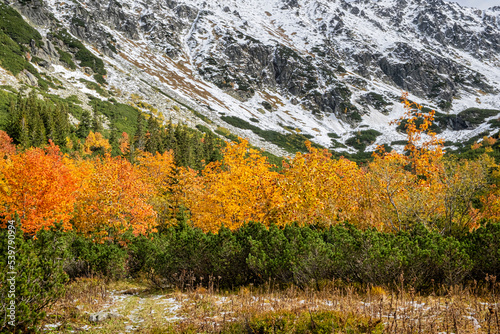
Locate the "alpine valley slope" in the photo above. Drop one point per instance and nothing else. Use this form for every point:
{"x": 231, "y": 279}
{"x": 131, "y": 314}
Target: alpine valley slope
{"x": 327, "y": 69}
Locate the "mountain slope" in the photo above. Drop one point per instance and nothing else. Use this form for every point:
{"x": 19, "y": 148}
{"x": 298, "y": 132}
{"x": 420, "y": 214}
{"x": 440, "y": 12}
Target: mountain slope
{"x": 276, "y": 71}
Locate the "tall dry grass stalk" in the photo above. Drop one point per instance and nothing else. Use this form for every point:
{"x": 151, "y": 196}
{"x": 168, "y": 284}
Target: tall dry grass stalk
{"x": 335, "y": 305}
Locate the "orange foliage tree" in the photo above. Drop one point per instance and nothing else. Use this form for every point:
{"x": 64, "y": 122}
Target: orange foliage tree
{"x": 423, "y": 147}
{"x": 6, "y": 146}
{"x": 113, "y": 199}
{"x": 124, "y": 142}
{"x": 39, "y": 185}
{"x": 105, "y": 196}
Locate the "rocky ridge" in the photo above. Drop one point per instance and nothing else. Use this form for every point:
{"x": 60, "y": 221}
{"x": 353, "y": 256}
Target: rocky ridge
{"x": 324, "y": 69}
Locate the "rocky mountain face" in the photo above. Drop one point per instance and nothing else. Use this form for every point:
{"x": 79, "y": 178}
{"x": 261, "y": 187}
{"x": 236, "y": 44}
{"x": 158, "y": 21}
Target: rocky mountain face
{"x": 324, "y": 69}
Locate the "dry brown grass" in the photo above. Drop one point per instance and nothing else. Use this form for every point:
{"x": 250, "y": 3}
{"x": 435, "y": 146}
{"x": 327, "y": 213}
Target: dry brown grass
{"x": 472, "y": 309}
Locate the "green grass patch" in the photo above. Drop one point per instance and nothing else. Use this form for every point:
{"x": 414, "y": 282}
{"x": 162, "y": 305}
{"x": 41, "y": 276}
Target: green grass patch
{"x": 226, "y": 133}
{"x": 203, "y": 128}
{"x": 86, "y": 58}
{"x": 94, "y": 86}
{"x": 100, "y": 79}
{"x": 12, "y": 56}
{"x": 378, "y": 100}
{"x": 281, "y": 322}
{"x": 290, "y": 142}
{"x": 399, "y": 142}
{"x": 66, "y": 58}
{"x": 12, "y": 24}
{"x": 73, "y": 99}
{"x": 122, "y": 116}
{"x": 201, "y": 116}
{"x": 336, "y": 144}
{"x": 476, "y": 115}
{"x": 239, "y": 123}
{"x": 12, "y": 53}
{"x": 362, "y": 139}
{"x": 495, "y": 123}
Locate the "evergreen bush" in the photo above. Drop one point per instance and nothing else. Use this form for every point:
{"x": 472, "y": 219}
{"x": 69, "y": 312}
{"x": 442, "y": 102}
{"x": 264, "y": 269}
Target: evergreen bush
{"x": 38, "y": 279}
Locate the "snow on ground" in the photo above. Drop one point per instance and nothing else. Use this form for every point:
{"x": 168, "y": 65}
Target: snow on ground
{"x": 142, "y": 68}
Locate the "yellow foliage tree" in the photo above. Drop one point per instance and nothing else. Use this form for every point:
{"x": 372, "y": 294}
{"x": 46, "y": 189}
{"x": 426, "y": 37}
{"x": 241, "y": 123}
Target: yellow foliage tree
{"x": 402, "y": 196}
{"x": 464, "y": 182}
{"x": 240, "y": 188}
{"x": 319, "y": 190}
{"x": 422, "y": 186}
{"x": 159, "y": 171}
{"x": 95, "y": 142}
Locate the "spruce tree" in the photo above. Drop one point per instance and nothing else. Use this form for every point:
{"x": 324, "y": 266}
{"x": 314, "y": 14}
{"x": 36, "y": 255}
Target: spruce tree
{"x": 198, "y": 151}
{"x": 184, "y": 152}
{"x": 24, "y": 133}
{"x": 61, "y": 120}
{"x": 211, "y": 148}
{"x": 37, "y": 130}
{"x": 113, "y": 140}
{"x": 140, "y": 133}
{"x": 168, "y": 140}
{"x": 96, "y": 121}
{"x": 153, "y": 142}
{"x": 48, "y": 114}
{"x": 85, "y": 125}
{"x": 14, "y": 122}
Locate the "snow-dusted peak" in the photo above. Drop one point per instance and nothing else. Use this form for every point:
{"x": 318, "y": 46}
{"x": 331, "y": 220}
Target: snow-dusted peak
{"x": 321, "y": 68}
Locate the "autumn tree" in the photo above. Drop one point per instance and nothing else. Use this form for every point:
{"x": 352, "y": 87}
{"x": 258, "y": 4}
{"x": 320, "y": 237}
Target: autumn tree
{"x": 320, "y": 190}
{"x": 124, "y": 143}
{"x": 7, "y": 146}
{"x": 423, "y": 147}
{"x": 113, "y": 199}
{"x": 403, "y": 198}
{"x": 40, "y": 186}
{"x": 240, "y": 188}
{"x": 407, "y": 184}
{"x": 464, "y": 182}
{"x": 96, "y": 143}
{"x": 159, "y": 171}
{"x": 421, "y": 185}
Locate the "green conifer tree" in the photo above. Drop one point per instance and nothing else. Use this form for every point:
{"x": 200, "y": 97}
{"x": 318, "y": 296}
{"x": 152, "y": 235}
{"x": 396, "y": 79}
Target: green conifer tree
{"x": 61, "y": 120}
{"x": 96, "y": 121}
{"x": 47, "y": 114}
{"x": 85, "y": 125}
{"x": 153, "y": 141}
{"x": 140, "y": 133}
